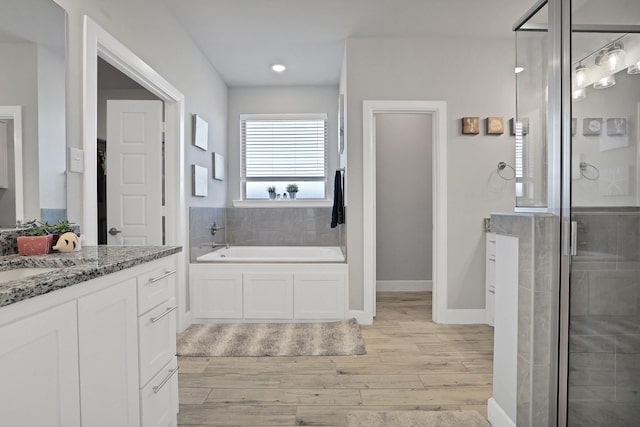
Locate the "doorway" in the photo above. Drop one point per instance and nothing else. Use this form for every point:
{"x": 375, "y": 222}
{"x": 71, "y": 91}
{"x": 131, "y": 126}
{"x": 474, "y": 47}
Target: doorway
{"x": 130, "y": 204}
{"x": 11, "y": 184}
{"x": 403, "y": 202}
{"x": 99, "y": 43}
{"x": 437, "y": 111}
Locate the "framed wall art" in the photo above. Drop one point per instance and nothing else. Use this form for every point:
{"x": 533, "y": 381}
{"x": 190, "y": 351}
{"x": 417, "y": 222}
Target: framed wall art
{"x": 200, "y": 132}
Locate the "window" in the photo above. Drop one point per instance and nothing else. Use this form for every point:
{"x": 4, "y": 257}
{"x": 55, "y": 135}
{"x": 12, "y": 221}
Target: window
{"x": 278, "y": 150}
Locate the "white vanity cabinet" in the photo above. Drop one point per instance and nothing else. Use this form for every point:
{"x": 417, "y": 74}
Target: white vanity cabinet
{"x": 88, "y": 353}
{"x": 490, "y": 278}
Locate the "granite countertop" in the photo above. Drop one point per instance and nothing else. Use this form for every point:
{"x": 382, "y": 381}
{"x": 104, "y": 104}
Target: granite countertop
{"x": 76, "y": 267}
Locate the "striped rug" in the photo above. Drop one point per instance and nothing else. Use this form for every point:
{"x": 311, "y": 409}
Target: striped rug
{"x": 341, "y": 338}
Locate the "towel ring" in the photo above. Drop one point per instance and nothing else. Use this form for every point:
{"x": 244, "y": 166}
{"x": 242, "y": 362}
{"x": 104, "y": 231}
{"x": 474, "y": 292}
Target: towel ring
{"x": 585, "y": 167}
{"x": 501, "y": 167}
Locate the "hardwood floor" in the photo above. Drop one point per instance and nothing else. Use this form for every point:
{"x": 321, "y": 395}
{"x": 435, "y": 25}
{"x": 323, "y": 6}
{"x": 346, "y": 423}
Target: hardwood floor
{"x": 411, "y": 363}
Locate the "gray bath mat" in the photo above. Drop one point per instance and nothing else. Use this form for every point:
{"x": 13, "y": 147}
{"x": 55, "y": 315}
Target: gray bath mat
{"x": 341, "y": 338}
{"x": 417, "y": 418}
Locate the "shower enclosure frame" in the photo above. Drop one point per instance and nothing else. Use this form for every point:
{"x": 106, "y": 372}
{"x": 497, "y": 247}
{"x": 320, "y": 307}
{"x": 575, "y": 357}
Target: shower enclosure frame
{"x": 559, "y": 71}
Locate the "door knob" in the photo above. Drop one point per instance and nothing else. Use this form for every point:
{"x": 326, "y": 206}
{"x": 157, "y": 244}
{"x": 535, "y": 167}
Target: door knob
{"x": 113, "y": 231}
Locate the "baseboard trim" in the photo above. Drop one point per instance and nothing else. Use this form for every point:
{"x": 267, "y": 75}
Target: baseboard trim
{"x": 463, "y": 316}
{"x": 404, "y": 285}
{"x": 497, "y": 416}
{"x": 360, "y": 316}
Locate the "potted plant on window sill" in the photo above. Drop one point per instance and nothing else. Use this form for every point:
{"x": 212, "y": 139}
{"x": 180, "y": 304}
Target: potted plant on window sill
{"x": 292, "y": 189}
{"x": 37, "y": 239}
{"x": 272, "y": 192}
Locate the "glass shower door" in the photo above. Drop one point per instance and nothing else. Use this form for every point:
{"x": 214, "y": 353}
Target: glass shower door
{"x": 604, "y": 303}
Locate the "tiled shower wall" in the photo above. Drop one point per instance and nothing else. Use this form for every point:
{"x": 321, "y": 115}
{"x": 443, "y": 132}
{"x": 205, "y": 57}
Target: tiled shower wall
{"x": 604, "y": 338}
{"x": 263, "y": 227}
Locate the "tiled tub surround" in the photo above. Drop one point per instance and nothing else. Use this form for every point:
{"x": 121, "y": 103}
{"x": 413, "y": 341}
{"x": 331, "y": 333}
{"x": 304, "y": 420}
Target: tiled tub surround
{"x": 76, "y": 267}
{"x": 289, "y": 226}
{"x": 604, "y": 343}
{"x": 537, "y": 305}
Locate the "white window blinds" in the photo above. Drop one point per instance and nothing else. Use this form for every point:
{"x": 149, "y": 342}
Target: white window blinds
{"x": 286, "y": 146}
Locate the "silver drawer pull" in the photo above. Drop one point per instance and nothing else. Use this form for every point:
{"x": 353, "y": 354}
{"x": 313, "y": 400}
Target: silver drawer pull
{"x": 158, "y": 387}
{"x": 169, "y": 310}
{"x": 492, "y": 291}
{"x": 167, "y": 274}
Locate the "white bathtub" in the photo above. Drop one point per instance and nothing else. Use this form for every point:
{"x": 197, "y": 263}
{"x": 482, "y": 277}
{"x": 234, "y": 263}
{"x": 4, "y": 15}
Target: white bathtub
{"x": 267, "y": 283}
{"x": 280, "y": 254}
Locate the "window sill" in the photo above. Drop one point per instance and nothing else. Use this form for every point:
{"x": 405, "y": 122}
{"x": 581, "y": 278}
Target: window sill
{"x": 319, "y": 203}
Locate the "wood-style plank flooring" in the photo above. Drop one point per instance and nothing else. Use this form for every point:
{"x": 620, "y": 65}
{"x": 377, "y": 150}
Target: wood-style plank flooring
{"x": 411, "y": 363}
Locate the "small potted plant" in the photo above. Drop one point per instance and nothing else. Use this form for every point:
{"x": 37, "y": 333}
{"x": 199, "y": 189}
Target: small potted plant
{"x": 292, "y": 189}
{"x": 272, "y": 192}
{"x": 37, "y": 239}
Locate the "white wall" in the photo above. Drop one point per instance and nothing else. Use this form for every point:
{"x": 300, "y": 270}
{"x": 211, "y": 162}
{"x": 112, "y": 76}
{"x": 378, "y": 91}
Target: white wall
{"x": 148, "y": 29}
{"x": 619, "y": 101}
{"x": 280, "y": 100}
{"x": 51, "y": 129}
{"x": 403, "y": 197}
{"x": 20, "y": 87}
{"x": 476, "y": 78}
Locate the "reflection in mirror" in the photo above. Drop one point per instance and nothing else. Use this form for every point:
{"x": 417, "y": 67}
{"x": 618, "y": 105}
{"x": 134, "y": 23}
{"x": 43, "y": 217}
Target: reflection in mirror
{"x": 32, "y": 68}
{"x": 530, "y": 128}
{"x": 605, "y": 110}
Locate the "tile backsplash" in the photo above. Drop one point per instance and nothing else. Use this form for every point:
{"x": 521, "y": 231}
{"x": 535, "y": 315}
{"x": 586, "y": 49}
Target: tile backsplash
{"x": 262, "y": 227}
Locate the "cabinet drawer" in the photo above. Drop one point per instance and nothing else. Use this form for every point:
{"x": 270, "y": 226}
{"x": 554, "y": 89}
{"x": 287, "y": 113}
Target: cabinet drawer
{"x": 159, "y": 398}
{"x": 157, "y": 284}
{"x": 157, "y": 335}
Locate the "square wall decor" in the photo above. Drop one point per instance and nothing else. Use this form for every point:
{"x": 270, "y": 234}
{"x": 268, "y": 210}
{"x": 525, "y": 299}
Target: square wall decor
{"x": 218, "y": 167}
{"x": 617, "y": 127}
{"x": 200, "y": 132}
{"x": 471, "y": 125}
{"x": 495, "y": 125}
{"x": 199, "y": 177}
{"x": 591, "y": 126}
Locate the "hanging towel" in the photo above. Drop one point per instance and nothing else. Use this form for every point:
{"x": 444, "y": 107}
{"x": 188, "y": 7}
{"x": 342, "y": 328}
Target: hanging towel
{"x": 337, "y": 216}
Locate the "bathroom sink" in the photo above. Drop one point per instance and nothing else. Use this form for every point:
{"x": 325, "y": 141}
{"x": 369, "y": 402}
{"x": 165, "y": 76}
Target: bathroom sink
{"x": 23, "y": 273}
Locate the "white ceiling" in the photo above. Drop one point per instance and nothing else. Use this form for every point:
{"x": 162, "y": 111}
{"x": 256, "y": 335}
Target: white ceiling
{"x": 243, "y": 38}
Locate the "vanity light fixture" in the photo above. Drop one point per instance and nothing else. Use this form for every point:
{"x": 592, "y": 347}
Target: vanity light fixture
{"x": 278, "y": 68}
{"x": 611, "y": 56}
{"x": 581, "y": 75}
{"x": 579, "y": 94}
{"x": 605, "y": 82}
{"x": 634, "y": 68}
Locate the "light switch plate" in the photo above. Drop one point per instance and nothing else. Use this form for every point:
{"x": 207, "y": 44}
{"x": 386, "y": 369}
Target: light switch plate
{"x": 76, "y": 160}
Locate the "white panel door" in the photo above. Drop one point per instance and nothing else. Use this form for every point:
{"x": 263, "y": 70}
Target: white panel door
{"x": 108, "y": 340}
{"x": 134, "y": 172}
{"x": 39, "y": 370}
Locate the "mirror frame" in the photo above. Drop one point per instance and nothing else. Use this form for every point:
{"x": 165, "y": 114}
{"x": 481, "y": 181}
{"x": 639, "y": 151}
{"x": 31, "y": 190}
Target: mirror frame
{"x": 14, "y": 112}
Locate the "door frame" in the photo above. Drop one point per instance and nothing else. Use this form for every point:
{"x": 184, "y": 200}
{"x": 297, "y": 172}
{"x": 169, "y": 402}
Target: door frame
{"x": 438, "y": 110}
{"x": 14, "y": 112}
{"x": 99, "y": 43}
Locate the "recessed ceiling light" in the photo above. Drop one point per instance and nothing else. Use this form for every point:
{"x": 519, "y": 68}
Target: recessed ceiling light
{"x": 278, "y": 68}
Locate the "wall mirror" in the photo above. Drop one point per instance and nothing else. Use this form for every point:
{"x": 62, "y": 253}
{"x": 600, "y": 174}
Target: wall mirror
{"x": 33, "y": 71}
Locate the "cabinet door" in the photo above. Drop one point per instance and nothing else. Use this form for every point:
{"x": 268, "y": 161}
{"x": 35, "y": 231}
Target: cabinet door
{"x": 216, "y": 295}
{"x": 108, "y": 340}
{"x": 39, "y": 370}
{"x": 319, "y": 295}
{"x": 268, "y": 295}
